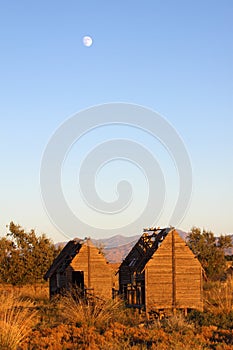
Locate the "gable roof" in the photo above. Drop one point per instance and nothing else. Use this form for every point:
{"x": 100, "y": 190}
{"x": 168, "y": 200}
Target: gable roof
{"x": 65, "y": 257}
{"x": 144, "y": 249}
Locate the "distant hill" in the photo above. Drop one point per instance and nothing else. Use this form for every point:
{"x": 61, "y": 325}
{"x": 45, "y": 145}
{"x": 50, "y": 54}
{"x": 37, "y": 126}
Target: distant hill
{"x": 117, "y": 252}
{"x": 117, "y": 247}
{"x": 107, "y": 243}
{"x": 115, "y": 241}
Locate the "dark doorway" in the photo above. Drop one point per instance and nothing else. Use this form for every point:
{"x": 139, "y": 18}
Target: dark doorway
{"x": 78, "y": 279}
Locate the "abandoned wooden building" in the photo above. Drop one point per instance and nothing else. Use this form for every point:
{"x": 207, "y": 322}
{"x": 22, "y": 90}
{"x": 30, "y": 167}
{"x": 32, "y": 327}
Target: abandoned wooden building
{"x": 81, "y": 264}
{"x": 161, "y": 273}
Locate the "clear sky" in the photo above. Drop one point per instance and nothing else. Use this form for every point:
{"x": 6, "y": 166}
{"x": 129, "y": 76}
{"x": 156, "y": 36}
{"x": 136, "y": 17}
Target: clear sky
{"x": 175, "y": 57}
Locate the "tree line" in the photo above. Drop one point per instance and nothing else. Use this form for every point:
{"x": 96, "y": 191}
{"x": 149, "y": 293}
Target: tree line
{"x": 25, "y": 257}
{"x": 210, "y": 251}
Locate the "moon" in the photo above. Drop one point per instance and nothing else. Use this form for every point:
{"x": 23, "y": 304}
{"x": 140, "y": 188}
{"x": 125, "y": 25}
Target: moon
{"x": 87, "y": 41}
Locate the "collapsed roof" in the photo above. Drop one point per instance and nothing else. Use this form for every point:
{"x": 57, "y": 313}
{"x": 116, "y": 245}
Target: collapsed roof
{"x": 62, "y": 261}
{"x": 144, "y": 249}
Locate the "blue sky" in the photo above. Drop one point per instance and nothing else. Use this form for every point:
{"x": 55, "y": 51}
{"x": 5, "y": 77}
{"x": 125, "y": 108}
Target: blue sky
{"x": 175, "y": 57}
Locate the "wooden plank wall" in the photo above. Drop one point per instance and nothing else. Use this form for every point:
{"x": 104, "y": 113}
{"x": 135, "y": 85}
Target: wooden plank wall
{"x": 125, "y": 275}
{"x": 188, "y": 276}
{"x": 158, "y": 275}
{"x": 173, "y": 276}
{"x": 98, "y": 275}
{"x": 52, "y": 285}
{"x": 57, "y": 282}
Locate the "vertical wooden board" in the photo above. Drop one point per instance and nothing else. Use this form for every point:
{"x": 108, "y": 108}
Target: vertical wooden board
{"x": 159, "y": 276}
{"x": 182, "y": 250}
{"x": 101, "y": 273}
{"x": 159, "y": 288}
{"x": 184, "y": 278}
{"x": 98, "y": 275}
{"x": 68, "y": 276}
{"x": 115, "y": 275}
{"x": 188, "y": 276}
{"x": 80, "y": 263}
{"x": 52, "y": 284}
{"x": 124, "y": 277}
{"x": 63, "y": 280}
{"x": 159, "y": 295}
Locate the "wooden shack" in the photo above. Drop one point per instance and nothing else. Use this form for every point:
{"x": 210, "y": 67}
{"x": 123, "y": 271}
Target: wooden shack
{"x": 81, "y": 264}
{"x": 160, "y": 273}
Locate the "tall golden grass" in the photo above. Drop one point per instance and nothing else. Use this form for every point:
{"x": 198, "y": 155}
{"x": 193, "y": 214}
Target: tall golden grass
{"x": 219, "y": 298}
{"x": 71, "y": 322}
{"x": 91, "y": 312}
{"x": 90, "y": 315}
{"x": 17, "y": 318}
{"x": 34, "y": 292}
{"x": 177, "y": 323}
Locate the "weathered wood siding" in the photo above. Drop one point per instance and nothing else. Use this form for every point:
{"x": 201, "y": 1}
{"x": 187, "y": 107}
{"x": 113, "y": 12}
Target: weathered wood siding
{"x": 173, "y": 276}
{"x": 115, "y": 277}
{"x": 57, "y": 283}
{"x": 124, "y": 275}
{"x": 158, "y": 275}
{"x": 52, "y": 285}
{"x": 98, "y": 275}
{"x": 188, "y": 276}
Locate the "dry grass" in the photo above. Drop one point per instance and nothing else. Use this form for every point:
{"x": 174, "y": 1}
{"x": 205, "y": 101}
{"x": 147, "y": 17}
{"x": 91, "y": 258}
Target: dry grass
{"x": 91, "y": 315}
{"x": 219, "y": 298}
{"x": 93, "y": 312}
{"x": 177, "y": 323}
{"x": 29, "y": 291}
{"x": 17, "y": 318}
{"x": 71, "y": 322}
